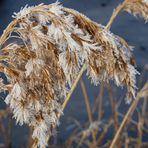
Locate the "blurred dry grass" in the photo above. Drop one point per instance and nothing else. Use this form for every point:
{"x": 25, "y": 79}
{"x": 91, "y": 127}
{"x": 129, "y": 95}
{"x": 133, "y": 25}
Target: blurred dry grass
{"x": 121, "y": 125}
{"x": 125, "y": 130}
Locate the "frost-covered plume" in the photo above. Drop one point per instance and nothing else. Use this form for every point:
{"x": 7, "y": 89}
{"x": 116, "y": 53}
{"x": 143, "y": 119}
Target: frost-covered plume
{"x": 51, "y": 44}
{"x": 137, "y": 7}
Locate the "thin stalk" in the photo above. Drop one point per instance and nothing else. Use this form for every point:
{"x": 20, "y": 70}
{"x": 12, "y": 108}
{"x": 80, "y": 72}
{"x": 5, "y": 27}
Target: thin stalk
{"x": 141, "y": 123}
{"x": 100, "y": 102}
{"x": 73, "y": 87}
{"x": 7, "y": 32}
{"x": 81, "y": 140}
{"x": 126, "y": 140}
{"x": 132, "y": 121}
{"x": 30, "y": 140}
{"x": 9, "y": 132}
{"x": 115, "y": 14}
{"x": 129, "y": 114}
{"x": 105, "y": 130}
{"x": 113, "y": 107}
{"x": 114, "y": 111}
{"x": 88, "y": 108}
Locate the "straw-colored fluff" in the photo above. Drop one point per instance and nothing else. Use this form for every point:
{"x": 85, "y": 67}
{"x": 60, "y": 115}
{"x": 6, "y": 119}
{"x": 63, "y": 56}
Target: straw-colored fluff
{"x": 42, "y": 52}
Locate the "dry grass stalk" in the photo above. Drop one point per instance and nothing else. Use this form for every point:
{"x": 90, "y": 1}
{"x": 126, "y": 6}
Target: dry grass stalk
{"x": 105, "y": 130}
{"x": 113, "y": 107}
{"x": 73, "y": 86}
{"x": 141, "y": 123}
{"x": 99, "y": 102}
{"x": 133, "y": 122}
{"x": 135, "y": 7}
{"x": 6, "y": 129}
{"x": 89, "y": 112}
{"x": 114, "y": 15}
{"x": 82, "y": 137}
{"x": 114, "y": 111}
{"x": 142, "y": 93}
{"x": 126, "y": 140}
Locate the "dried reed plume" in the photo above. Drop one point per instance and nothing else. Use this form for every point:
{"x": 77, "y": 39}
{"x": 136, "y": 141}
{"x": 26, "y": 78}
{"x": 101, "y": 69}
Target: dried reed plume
{"x": 42, "y": 53}
{"x": 135, "y": 7}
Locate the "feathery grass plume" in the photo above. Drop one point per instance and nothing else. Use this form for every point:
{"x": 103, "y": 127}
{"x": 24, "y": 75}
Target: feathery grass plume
{"x": 42, "y": 53}
{"x": 114, "y": 59}
{"x": 137, "y": 7}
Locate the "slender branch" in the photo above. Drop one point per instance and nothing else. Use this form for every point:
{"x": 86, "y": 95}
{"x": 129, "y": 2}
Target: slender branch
{"x": 115, "y": 14}
{"x": 129, "y": 114}
{"x": 89, "y": 112}
{"x": 105, "y": 130}
{"x": 114, "y": 112}
{"x": 87, "y": 102}
{"x": 113, "y": 107}
{"x": 141, "y": 123}
{"x": 7, "y": 31}
{"x": 74, "y": 86}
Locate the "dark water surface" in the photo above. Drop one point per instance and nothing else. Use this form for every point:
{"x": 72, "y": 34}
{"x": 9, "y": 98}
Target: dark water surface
{"x": 132, "y": 29}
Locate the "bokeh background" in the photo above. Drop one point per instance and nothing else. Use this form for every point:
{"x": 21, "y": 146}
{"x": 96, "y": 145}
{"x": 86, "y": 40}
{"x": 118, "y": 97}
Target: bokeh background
{"x": 133, "y": 30}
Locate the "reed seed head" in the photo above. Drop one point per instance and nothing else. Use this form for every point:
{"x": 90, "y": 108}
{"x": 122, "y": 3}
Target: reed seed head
{"x": 137, "y": 7}
{"x": 42, "y": 52}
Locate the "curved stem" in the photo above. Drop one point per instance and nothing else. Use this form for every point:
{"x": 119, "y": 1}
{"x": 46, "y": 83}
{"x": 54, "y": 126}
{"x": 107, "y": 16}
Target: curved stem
{"x": 115, "y": 14}
{"x": 142, "y": 93}
{"x": 127, "y": 116}
{"x": 7, "y": 31}
{"x": 74, "y": 86}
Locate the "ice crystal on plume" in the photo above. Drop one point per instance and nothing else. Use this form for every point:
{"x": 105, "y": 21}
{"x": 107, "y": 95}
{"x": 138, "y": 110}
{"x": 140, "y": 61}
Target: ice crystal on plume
{"x": 41, "y": 68}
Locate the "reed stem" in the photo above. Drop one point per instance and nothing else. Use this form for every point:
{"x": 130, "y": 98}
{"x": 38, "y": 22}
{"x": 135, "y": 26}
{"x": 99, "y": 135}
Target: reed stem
{"x": 74, "y": 86}
{"x": 7, "y": 32}
{"x": 128, "y": 115}
{"x": 114, "y": 15}
{"x": 89, "y": 112}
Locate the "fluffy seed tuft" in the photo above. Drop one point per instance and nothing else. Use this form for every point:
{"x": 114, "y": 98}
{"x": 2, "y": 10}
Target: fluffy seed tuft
{"x": 52, "y": 45}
